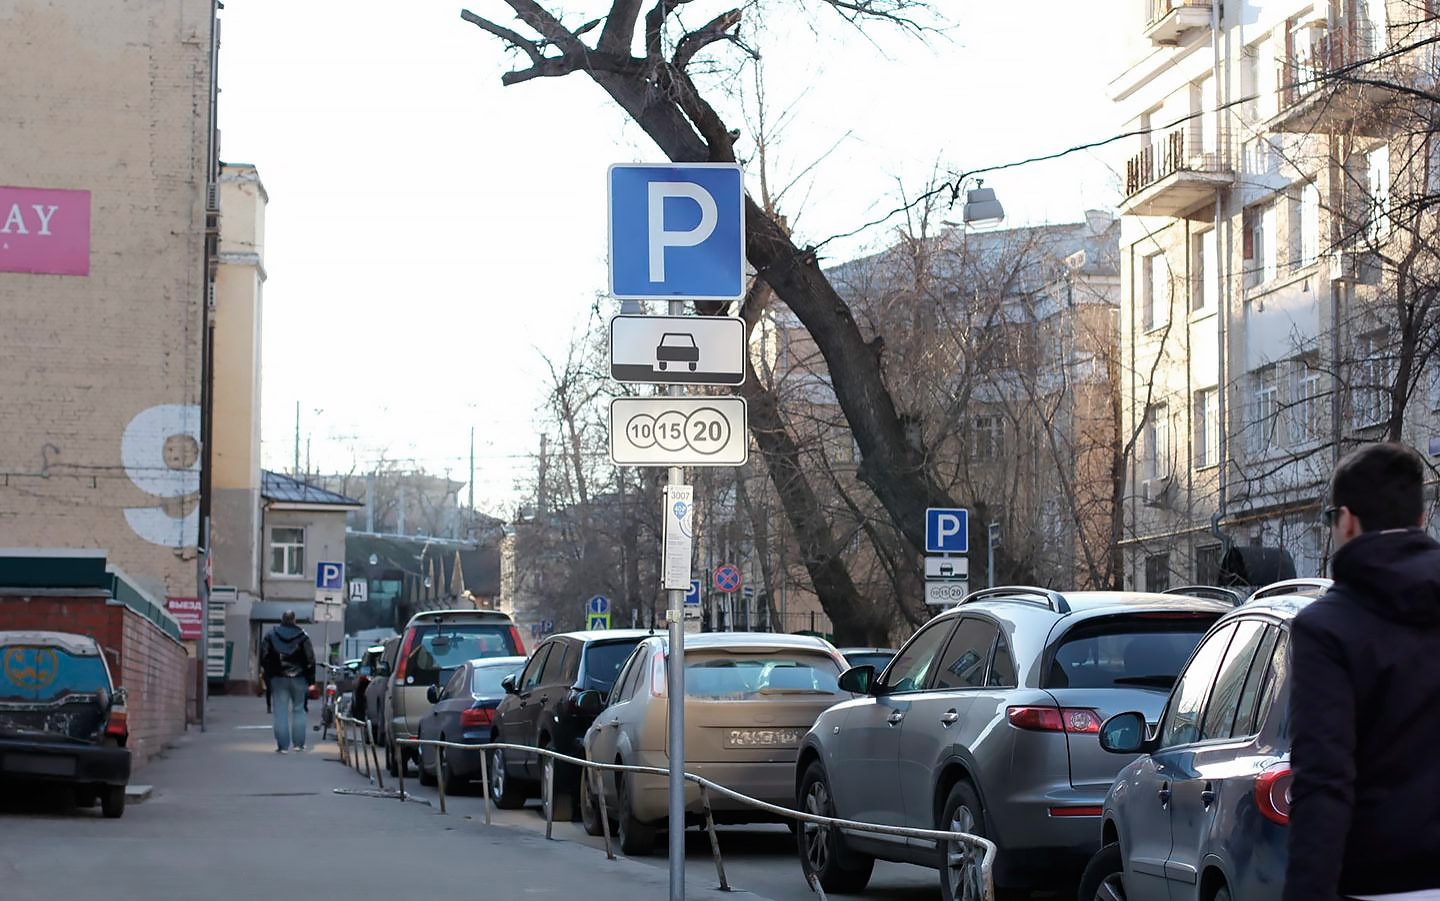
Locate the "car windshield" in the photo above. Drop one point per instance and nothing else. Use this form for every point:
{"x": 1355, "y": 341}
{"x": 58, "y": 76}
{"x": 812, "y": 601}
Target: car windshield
{"x": 603, "y": 661}
{"x": 485, "y": 681}
{"x": 1140, "y": 651}
{"x": 439, "y": 649}
{"x": 877, "y": 659}
{"x": 737, "y": 678}
{"x": 30, "y": 673}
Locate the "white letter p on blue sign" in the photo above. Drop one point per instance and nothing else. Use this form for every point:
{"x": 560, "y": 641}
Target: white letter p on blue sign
{"x": 947, "y": 530}
{"x": 677, "y": 231}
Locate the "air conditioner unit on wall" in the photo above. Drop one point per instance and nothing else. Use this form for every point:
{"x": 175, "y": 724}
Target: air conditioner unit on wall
{"x": 1155, "y": 492}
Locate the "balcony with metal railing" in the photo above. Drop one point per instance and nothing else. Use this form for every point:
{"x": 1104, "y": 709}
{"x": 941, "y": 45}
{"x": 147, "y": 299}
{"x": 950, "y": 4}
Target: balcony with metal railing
{"x": 1176, "y": 172}
{"x": 1321, "y": 82}
{"x": 1167, "y": 21}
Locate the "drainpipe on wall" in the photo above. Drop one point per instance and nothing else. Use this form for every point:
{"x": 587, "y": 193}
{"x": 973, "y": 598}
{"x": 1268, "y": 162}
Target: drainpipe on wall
{"x": 1222, "y": 97}
{"x": 207, "y": 373}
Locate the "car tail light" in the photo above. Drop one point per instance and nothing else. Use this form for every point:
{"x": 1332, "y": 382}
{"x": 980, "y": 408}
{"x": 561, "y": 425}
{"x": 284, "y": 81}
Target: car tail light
{"x": 118, "y": 726}
{"x": 519, "y": 645}
{"x": 403, "y": 660}
{"x": 1075, "y": 720}
{"x": 657, "y": 675}
{"x": 1272, "y": 793}
{"x": 331, "y": 689}
{"x": 476, "y": 716}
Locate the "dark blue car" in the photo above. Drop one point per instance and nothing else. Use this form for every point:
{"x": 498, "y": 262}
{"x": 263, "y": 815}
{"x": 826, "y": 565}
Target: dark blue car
{"x": 1203, "y": 814}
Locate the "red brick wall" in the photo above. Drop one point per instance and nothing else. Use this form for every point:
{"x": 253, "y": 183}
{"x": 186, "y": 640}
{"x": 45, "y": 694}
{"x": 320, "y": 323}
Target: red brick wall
{"x": 148, "y": 663}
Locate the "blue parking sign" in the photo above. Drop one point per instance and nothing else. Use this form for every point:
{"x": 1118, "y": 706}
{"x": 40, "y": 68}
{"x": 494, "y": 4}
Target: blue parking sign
{"x": 947, "y": 530}
{"x": 677, "y": 230}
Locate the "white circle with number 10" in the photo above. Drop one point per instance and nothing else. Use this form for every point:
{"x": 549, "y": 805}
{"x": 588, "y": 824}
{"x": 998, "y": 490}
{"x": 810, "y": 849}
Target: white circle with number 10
{"x": 641, "y": 430}
{"x": 707, "y": 430}
{"x": 670, "y": 430}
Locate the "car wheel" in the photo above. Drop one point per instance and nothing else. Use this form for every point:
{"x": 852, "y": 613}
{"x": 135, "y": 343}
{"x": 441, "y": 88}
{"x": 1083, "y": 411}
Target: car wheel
{"x": 1103, "y": 879}
{"x": 391, "y": 764}
{"x": 503, "y": 791}
{"x": 636, "y": 838}
{"x": 112, "y": 801}
{"x": 1222, "y": 894}
{"x": 960, "y": 878}
{"x": 445, "y": 770}
{"x": 822, "y": 850}
{"x": 589, "y": 807}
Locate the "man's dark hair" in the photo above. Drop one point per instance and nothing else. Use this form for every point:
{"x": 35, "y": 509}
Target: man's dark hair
{"x": 1383, "y": 485}
{"x": 288, "y": 617}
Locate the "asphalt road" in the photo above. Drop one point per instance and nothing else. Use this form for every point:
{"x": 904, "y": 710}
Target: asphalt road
{"x": 761, "y": 859}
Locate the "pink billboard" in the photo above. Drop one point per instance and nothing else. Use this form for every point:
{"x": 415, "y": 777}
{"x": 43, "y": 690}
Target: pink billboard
{"x": 44, "y": 231}
{"x": 190, "y": 613}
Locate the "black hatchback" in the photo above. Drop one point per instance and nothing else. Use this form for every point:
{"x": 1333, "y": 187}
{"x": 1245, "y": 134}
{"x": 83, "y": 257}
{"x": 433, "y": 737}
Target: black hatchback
{"x": 61, "y": 717}
{"x": 543, "y": 709}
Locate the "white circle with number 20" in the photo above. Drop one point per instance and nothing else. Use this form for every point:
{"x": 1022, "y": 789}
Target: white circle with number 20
{"x": 670, "y": 430}
{"x": 707, "y": 431}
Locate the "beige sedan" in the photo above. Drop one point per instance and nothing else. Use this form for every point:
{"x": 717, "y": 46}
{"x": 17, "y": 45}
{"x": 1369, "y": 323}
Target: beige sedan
{"x": 749, "y": 700}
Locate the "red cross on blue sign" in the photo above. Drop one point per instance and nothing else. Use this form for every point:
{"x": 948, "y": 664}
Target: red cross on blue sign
{"x": 727, "y": 577}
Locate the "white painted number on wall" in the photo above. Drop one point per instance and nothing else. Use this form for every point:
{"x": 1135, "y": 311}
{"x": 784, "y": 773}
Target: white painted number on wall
{"x": 161, "y": 453}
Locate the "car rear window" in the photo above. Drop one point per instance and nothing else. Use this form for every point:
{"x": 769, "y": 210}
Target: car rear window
{"x": 877, "y": 659}
{"x": 1139, "y": 651}
{"x": 440, "y": 648}
{"x": 737, "y": 678}
{"x": 485, "y": 681}
{"x": 47, "y": 673}
{"x": 603, "y": 661}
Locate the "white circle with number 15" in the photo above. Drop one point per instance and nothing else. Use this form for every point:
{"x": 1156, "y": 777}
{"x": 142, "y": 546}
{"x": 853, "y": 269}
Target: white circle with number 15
{"x": 670, "y": 430}
{"x": 707, "y": 430}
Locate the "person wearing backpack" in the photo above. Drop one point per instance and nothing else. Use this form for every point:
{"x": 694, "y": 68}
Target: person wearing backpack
{"x": 288, "y": 660}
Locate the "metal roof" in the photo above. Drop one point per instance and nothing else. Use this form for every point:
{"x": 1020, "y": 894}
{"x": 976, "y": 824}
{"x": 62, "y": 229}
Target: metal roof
{"x": 276, "y": 486}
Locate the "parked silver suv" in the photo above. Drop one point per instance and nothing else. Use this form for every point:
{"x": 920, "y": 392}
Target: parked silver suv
{"x": 987, "y": 722}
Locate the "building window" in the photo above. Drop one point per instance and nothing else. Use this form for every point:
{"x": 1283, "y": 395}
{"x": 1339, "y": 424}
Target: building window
{"x": 987, "y": 437}
{"x": 1305, "y": 226}
{"x": 1157, "y": 572}
{"x": 1266, "y": 393}
{"x": 1157, "y": 442}
{"x": 1207, "y": 428}
{"x": 1370, "y": 381}
{"x": 1307, "y": 408}
{"x": 1205, "y": 287}
{"x": 1377, "y": 188}
{"x": 1259, "y": 238}
{"x": 1155, "y": 290}
{"x": 1207, "y": 565}
{"x": 287, "y": 551}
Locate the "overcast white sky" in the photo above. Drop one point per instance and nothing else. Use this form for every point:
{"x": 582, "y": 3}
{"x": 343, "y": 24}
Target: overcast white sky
{"x": 431, "y": 233}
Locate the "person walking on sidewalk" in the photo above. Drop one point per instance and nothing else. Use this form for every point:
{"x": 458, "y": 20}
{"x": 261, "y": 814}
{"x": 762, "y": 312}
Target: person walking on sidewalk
{"x": 1365, "y": 691}
{"x": 288, "y": 660}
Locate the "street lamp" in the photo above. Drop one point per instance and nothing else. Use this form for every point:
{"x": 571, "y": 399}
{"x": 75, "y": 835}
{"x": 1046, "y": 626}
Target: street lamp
{"x": 981, "y": 208}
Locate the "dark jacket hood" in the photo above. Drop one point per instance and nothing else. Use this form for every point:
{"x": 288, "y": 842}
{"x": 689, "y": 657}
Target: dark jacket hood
{"x": 1394, "y": 573}
{"x": 287, "y": 638}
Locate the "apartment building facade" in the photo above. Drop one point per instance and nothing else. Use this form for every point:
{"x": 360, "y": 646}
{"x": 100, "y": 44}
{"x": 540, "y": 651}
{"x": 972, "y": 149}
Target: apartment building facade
{"x": 1278, "y": 270}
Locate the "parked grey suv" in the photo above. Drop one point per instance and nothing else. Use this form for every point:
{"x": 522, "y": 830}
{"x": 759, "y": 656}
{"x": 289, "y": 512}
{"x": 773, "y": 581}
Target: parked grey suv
{"x": 987, "y": 722}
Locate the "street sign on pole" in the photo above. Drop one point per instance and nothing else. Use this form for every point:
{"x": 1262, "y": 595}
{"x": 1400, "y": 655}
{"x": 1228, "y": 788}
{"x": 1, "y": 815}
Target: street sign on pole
{"x": 330, "y": 576}
{"x": 678, "y": 350}
{"x": 946, "y": 594}
{"x": 678, "y": 431}
{"x": 599, "y": 605}
{"x": 359, "y": 590}
{"x": 692, "y": 595}
{"x": 677, "y": 230}
{"x": 947, "y": 530}
{"x": 679, "y": 535}
{"x": 947, "y": 568}
{"x": 597, "y": 621}
{"x": 727, "y": 577}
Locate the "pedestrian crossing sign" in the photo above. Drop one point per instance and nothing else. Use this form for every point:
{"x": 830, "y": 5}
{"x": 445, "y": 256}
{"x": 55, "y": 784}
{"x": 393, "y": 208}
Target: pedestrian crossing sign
{"x": 598, "y": 621}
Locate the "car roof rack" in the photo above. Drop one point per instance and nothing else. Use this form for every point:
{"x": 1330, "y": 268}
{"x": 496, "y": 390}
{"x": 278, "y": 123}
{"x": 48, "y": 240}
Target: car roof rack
{"x": 1291, "y": 586}
{"x": 1023, "y": 593}
{"x": 1214, "y": 592}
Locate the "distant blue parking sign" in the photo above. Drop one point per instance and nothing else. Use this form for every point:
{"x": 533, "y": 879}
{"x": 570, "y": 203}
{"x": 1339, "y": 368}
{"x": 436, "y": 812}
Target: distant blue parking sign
{"x": 947, "y": 530}
{"x": 677, "y": 231}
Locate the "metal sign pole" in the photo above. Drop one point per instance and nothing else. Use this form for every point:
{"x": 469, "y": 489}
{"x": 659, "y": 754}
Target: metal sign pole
{"x": 676, "y": 678}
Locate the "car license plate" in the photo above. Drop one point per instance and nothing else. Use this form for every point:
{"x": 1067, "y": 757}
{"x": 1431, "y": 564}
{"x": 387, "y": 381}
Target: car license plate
{"x": 39, "y": 765}
{"x": 763, "y": 738}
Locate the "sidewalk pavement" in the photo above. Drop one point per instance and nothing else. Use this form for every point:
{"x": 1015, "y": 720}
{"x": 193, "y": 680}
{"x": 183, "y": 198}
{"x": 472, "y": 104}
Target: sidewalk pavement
{"x": 231, "y": 819}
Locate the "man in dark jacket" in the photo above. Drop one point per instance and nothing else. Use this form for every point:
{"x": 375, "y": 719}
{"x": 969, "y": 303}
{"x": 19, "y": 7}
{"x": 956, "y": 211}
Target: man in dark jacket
{"x": 288, "y": 660}
{"x": 1365, "y": 701}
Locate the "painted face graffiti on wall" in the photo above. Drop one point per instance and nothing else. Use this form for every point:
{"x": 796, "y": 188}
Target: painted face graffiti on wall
{"x": 161, "y": 453}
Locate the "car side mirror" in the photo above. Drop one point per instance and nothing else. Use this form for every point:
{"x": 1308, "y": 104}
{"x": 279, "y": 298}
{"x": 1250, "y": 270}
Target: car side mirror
{"x": 1124, "y": 733}
{"x": 590, "y": 702}
{"x": 432, "y": 694}
{"x": 119, "y": 698}
{"x": 858, "y": 680}
{"x": 508, "y": 683}
{"x": 382, "y": 669}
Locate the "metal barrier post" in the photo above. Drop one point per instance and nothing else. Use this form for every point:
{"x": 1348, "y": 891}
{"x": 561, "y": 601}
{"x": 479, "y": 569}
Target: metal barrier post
{"x": 598, "y": 789}
{"x": 340, "y": 731}
{"x": 714, "y": 839}
{"x": 815, "y": 885}
{"x": 549, "y": 795}
{"x": 439, "y": 772}
{"x": 485, "y": 782}
{"x": 401, "y": 770}
{"x": 374, "y": 757}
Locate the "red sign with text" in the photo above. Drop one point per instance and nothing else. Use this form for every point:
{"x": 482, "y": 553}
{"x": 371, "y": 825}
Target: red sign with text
{"x": 44, "y": 231}
{"x": 190, "y": 613}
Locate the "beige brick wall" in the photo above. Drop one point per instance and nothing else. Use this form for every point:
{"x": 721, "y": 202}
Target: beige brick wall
{"x": 100, "y": 374}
